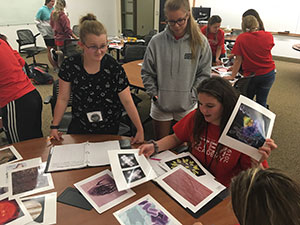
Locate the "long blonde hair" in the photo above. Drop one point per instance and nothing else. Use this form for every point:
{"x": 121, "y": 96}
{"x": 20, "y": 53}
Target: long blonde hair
{"x": 192, "y": 26}
{"x": 89, "y": 24}
{"x": 265, "y": 197}
{"x": 59, "y": 7}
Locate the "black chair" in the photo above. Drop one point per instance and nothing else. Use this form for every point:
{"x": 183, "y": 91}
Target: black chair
{"x": 133, "y": 52}
{"x": 128, "y": 33}
{"x": 70, "y": 47}
{"x": 242, "y": 84}
{"x": 75, "y": 29}
{"x": 26, "y": 38}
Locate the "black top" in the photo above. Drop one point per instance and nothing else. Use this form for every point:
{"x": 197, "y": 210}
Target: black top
{"x": 94, "y": 93}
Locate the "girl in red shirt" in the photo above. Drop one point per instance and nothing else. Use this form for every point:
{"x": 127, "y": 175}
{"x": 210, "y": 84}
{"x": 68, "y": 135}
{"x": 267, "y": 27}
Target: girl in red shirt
{"x": 202, "y": 129}
{"x": 215, "y": 37}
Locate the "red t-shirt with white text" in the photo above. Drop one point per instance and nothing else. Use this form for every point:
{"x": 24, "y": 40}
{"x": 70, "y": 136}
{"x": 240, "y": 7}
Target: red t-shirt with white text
{"x": 214, "y": 40}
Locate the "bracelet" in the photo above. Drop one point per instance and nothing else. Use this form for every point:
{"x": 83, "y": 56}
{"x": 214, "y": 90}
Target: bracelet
{"x": 54, "y": 127}
{"x": 155, "y": 146}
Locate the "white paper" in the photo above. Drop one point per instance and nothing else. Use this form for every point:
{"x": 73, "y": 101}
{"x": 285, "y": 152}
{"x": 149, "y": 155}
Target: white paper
{"x": 145, "y": 211}
{"x": 209, "y": 184}
{"x": 218, "y": 70}
{"x": 104, "y": 201}
{"x": 130, "y": 169}
{"x": 69, "y": 156}
{"x": 48, "y": 206}
{"x": 97, "y": 152}
{"x": 198, "y": 169}
{"x": 155, "y": 161}
{"x": 9, "y": 154}
{"x": 22, "y": 218}
{"x": 41, "y": 181}
{"x": 247, "y": 125}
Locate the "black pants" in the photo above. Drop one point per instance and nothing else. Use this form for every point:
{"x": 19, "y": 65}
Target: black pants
{"x": 22, "y": 118}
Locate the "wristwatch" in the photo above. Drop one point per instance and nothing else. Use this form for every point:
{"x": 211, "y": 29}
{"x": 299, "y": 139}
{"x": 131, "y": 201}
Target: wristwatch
{"x": 54, "y": 127}
{"x": 155, "y": 146}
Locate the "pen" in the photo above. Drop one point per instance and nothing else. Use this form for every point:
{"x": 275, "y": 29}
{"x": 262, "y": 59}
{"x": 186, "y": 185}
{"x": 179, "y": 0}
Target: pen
{"x": 155, "y": 159}
{"x": 50, "y": 138}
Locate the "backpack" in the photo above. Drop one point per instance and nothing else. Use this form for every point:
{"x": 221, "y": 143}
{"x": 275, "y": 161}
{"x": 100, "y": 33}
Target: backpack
{"x": 39, "y": 76}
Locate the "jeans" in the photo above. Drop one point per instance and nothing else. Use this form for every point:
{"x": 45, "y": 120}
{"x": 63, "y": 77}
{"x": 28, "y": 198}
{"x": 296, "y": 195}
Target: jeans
{"x": 260, "y": 86}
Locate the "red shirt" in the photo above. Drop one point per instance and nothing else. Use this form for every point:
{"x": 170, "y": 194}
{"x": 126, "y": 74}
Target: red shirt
{"x": 230, "y": 162}
{"x": 14, "y": 83}
{"x": 255, "y": 48}
{"x": 214, "y": 40}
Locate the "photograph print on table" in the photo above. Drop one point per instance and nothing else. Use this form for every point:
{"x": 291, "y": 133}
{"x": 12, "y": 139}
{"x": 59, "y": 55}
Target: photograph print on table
{"x": 133, "y": 175}
{"x": 9, "y": 154}
{"x": 146, "y": 211}
{"x": 127, "y": 160}
{"x": 101, "y": 191}
{"x": 42, "y": 208}
{"x": 189, "y": 190}
{"x": 247, "y": 128}
{"x": 187, "y": 160}
{"x": 13, "y": 212}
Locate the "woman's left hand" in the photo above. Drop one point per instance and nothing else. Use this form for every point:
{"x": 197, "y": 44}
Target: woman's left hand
{"x": 139, "y": 137}
{"x": 266, "y": 149}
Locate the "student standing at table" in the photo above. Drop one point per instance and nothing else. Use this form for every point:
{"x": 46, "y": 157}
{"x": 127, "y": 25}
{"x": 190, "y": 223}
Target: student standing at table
{"x": 42, "y": 21}
{"x": 215, "y": 37}
{"x": 60, "y": 24}
{"x": 253, "y": 51}
{"x": 202, "y": 128}
{"x": 176, "y": 61}
{"x": 20, "y": 102}
{"x": 99, "y": 87}
{"x": 253, "y": 12}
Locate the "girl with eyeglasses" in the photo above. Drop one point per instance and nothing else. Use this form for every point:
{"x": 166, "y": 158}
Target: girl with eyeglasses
{"x": 202, "y": 129}
{"x": 60, "y": 24}
{"x": 175, "y": 62}
{"x": 215, "y": 37}
{"x": 99, "y": 87}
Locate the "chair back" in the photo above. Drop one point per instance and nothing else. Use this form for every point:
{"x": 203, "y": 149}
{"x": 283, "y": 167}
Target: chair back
{"x": 128, "y": 33}
{"x": 25, "y": 37}
{"x": 71, "y": 47}
{"x": 55, "y": 92}
{"x": 75, "y": 29}
{"x": 242, "y": 84}
{"x": 134, "y": 52}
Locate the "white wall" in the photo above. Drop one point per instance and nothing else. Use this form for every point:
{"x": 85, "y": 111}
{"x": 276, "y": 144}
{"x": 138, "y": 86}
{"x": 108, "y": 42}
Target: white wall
{"x": 276, "y": 15}
{"x": 105, "y": 10}
{"x": 145, "y": 16}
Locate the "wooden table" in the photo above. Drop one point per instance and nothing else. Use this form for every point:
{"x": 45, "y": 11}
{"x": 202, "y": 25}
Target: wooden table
{"x": 296, "y": 47}
{"x": 220, "y": 215}
{"x": 133, "y": 72}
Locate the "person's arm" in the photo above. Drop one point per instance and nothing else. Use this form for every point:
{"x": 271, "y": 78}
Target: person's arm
{"x": 218, "y": 54}
{"x": 61, "y": 105}
{"x": 165, "y": 143}
{"x": 235, "y": 68}
{"x": 265, "y": 151}
{"x": 127, "y": 102}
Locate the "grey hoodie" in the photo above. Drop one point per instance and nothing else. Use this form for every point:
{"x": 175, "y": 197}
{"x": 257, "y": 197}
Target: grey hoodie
{"x": 169, "y": 72}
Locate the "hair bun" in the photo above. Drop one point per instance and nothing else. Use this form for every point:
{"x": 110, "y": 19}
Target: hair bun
{"x": 87, "y": 17}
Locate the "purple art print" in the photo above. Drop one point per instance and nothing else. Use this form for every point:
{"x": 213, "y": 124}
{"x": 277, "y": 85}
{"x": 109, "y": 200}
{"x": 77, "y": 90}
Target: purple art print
{"x": 186, "y": 186}
{"x": 102, "y": 190}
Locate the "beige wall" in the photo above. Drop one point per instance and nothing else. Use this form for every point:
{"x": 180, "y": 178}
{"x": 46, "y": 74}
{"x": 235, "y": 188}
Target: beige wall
{"x": 145, "y": 16}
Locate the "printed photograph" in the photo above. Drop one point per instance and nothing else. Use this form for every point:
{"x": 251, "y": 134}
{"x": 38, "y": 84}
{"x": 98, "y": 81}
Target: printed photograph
{"x": 127, "y": 160}
{"x": 188, "y": 163}
{"x": 133, "y": 175}
{"x": 6, "y": 155}
{"x": 10, "y": 211}
{"x": 36, "y": 208}
{"x": 249, "y": 126}
{"x": 186, "y": 186}
{"x": 145, "y": 211}
{"x": 102, "y": 190}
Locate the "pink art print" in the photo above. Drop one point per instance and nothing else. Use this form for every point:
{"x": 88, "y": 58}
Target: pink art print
{"x": 187, "y": 187}
{"x": 102, "y": 190}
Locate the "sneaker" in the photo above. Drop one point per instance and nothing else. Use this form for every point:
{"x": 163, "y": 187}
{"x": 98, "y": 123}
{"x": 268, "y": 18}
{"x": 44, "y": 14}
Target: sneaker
{"x": 53, "y": 55}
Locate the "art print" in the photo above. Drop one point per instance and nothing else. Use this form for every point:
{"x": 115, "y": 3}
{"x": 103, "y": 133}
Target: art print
{"x": 248, "y": 127}
{"x": 9, "y": 154}
{"x": 101, "y": 191}
{"x": 29, "y": 180}
{"x": 127, "y": 160}
{"x": 42, "y": 208}
{"x": 145, "y": 211}
{"x": 13, "y": 212}
{"x": 133, "y": 175}
{"x": 189, "y": 190}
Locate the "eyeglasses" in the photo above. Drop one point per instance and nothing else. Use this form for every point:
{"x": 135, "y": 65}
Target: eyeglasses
{"x": 95, "y": 48}
{"x": 180, "y": 21}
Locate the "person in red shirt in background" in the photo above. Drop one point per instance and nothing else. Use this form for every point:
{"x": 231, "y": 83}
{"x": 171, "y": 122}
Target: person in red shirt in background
{"x": 20, "y": 103}
{"x": 253, "y": 51}
{"x": 215, "y": 37}
{"x": 203, "y": 127}
{"x": 60, "y": 24}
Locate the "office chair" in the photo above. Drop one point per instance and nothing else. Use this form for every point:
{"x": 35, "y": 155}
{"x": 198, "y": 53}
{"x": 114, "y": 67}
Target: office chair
{"x": 25, "y": 38}
{"x": 133, "y": 52}
{"x": 71, "y": 47}
{"x": 128, "y": 33}
{"x": 242, "y": 84}
{"x": 75, "y": 29}
{"x": 148, "y": 36}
